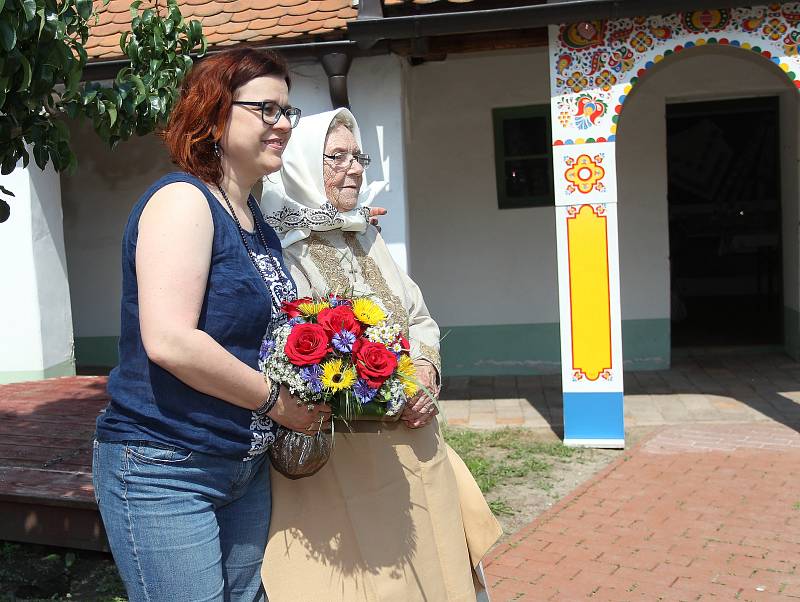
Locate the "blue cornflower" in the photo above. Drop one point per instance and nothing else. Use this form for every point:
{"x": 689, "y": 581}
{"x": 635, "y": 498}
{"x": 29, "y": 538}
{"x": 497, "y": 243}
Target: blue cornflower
{"x": 336, "y": 301}
{"x": 297, "y": 320}
{"x": 364, "y": 393}
{"x": 343, "y": 341}
{"x": 313, "y": 377}
{"x": 267, "y": 347}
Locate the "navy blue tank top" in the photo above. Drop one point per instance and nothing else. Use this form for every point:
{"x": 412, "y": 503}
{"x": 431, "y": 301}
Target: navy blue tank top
{"x": 149, "y": 403}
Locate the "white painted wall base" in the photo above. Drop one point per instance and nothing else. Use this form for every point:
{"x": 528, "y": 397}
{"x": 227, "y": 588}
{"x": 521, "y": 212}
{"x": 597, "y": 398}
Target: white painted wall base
{"x": 35, "y": 313}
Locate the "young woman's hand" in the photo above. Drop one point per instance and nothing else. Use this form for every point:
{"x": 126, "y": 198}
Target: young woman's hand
{"x": 374, "y": 214}
{"x": 292, "y": 412}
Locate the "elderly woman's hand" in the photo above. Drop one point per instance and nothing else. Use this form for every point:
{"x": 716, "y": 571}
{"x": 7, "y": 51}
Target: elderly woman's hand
{"x": 421, "y": 409}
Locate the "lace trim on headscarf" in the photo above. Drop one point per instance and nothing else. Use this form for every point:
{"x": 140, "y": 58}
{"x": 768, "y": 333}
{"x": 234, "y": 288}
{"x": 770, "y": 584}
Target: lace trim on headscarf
{"x": 293, "y": 218}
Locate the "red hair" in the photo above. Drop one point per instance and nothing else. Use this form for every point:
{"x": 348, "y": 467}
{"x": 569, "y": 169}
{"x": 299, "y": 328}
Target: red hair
{"x": 204, "y": 104}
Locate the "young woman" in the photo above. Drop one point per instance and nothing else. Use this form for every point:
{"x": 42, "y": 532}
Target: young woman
{"x": 180, "y": 473}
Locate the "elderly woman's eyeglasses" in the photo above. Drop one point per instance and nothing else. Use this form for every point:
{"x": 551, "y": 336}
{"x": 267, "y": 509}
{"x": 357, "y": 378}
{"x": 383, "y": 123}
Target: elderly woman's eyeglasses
{"x": 271, "y": 111}
{"x": 344, "y": 160}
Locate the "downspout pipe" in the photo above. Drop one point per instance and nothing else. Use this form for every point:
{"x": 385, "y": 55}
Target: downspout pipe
{"x": 369, "y": 31}
{"x": 336, "y": 65}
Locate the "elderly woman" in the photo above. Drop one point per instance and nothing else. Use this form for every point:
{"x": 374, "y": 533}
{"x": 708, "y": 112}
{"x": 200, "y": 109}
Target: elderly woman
{"x": 381, "y": 520}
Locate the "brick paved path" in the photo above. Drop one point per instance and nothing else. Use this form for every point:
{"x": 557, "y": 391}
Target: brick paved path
{"x": 696, "y": 512}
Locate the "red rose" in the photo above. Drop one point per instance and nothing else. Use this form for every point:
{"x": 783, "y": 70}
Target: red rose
{"x": 374, "y": 362}
{"x": 307, "y": 344}
{"x": 336, "y": 319}
{"x": 290, "y": 307}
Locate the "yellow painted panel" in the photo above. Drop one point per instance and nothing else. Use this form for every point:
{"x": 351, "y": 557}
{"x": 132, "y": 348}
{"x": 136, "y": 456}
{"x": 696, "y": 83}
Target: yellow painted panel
{"x": 590, "y": 302}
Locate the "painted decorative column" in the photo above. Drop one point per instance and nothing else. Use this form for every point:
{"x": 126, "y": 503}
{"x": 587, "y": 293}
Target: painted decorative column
{"x": 35, "y": 311}
{"x": 593, "y": 67}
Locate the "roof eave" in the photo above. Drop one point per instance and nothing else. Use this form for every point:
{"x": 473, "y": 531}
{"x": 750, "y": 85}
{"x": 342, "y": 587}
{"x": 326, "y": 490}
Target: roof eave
{"x": 369, "y": 31}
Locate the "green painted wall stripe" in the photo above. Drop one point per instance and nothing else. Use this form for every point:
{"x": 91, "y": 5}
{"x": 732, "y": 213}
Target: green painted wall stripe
{"x": 536, "y": 348}
{"x": 65, "y": 368}
{"x": 646, "y": 344}
{"x": 97, "y": 351}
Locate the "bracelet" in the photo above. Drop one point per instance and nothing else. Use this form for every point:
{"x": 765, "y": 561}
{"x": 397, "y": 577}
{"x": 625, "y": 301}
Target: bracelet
{"x": 272, "y": 398}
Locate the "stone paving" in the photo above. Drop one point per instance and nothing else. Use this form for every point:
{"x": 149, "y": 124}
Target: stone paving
{"x": 706, "y": 506}
{"x": 721, "y": 387}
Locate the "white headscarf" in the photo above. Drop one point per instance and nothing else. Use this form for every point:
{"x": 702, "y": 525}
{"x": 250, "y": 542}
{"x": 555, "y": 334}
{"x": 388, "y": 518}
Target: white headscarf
{"x": 293, "y": 200}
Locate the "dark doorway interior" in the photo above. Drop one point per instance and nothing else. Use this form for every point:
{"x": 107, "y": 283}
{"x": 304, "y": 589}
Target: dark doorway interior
{"x": 724, "y": 222}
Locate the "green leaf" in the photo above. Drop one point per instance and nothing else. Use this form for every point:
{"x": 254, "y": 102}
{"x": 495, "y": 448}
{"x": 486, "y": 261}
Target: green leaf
{"x": 42, "y": 19}
{"x": 112, "y": 115}
{"x": 40, "y": 155}
{"x": 195, "y": 32}
{"x": 29, "y": 8}
{"x": 6, "y": 191}
{"x": 135, "y": 8}
{"x": 8, "y": 36}
{"x": 133, "y": 49}
{"x": 27, "y": 74}
{"x": 84, "y": 8}
{"x": 141, "y": 91}
{"x": 2, "y": 4}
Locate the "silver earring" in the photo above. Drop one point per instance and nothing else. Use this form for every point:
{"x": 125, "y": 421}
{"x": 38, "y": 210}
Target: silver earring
{"x": 216, "y": 149}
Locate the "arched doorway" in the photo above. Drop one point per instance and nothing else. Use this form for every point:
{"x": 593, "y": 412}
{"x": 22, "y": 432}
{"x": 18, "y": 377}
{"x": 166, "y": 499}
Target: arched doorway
{"x": 707, "y": 173}
{"x": 594, "y": 68}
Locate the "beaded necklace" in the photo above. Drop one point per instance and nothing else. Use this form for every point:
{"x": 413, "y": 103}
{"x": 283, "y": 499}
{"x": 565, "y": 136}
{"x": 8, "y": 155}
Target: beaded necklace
{"x": 276, "y": 302}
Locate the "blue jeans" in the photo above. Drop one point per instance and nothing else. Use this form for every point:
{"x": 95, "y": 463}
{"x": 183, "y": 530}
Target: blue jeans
{"x": 183, "y": 525}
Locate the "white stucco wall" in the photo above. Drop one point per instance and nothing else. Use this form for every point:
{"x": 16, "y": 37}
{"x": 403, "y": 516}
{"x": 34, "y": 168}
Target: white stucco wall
{"x": 99, "y": 196}
{"x": 480, "y": 265}
{"x": 475, "y": 263}
{"x": 35, "y": 318}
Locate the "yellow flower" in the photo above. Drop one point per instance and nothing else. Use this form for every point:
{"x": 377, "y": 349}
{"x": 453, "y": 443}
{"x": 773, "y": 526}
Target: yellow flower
{"x": 312, "y": 309}
{"x": 336, "y": 377}
{"x": 408, "y": 374}
{"x": 368, "y": 312}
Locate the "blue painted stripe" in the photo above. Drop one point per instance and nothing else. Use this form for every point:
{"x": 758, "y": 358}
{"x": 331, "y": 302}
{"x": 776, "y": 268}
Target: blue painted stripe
{"x": 593, "y": 416}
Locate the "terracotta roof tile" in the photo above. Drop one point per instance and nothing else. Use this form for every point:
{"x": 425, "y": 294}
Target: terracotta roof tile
{"x": 229, "y": 22}
{"x": 218, "y": 19}
{"x": 304, "y": 9}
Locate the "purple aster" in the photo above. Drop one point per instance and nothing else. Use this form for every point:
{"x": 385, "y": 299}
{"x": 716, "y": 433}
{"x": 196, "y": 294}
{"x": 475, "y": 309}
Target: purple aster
{"x": 343, "y": 341}
{"x": 267, "y": 347}
{"x": 313, "y": 377}
{"x": 364, "y": 393}
{"x": 297, "y": 320}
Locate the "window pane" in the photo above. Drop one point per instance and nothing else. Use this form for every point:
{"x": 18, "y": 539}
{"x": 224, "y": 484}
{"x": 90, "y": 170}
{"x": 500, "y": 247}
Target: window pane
{"x": 527, "y": 177}
{"x": 525, "y": 136}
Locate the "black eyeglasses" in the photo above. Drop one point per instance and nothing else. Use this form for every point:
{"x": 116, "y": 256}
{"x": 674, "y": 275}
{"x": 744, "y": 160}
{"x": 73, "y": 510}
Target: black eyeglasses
{"x": 271, "y": 111}
{"x": 344, "y": 160}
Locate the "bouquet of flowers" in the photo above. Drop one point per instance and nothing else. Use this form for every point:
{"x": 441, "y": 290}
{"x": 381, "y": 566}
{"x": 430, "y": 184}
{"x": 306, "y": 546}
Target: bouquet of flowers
{"x": 342, "y": 351}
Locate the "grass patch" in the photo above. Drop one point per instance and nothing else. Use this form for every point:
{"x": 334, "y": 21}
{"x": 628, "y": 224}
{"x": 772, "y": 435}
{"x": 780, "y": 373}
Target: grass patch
{"x": 33, "y": 572}
{"x": 500, "y": 457}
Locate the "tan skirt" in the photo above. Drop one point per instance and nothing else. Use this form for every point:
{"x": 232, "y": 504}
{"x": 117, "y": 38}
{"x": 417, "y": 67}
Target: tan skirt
{"x": 393, "y": 516}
